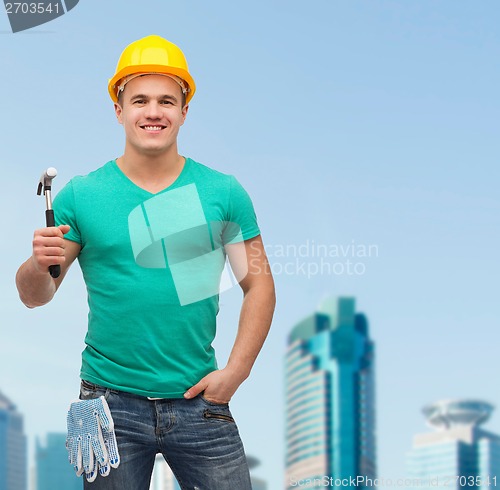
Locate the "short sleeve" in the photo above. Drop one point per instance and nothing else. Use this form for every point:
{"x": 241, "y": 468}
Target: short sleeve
{"x": 65, "y": 212}
{"x": 242, "y": 221}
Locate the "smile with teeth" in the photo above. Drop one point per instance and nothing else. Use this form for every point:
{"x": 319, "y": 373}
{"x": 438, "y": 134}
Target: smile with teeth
{"x": 153, "y": 128}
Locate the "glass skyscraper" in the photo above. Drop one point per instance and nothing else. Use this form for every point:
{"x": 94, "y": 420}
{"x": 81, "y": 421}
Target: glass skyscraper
{"x": 163, "y": 478}
{"x": 52, "y": 466}
{"x": 330, "y": 398}
{"x": 13, "y": 471}
{"x": 459, "y": 452}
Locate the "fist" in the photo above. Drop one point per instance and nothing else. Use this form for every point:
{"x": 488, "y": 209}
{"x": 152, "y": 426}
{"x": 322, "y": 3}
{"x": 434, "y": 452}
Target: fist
{"x": 48, "y": 247}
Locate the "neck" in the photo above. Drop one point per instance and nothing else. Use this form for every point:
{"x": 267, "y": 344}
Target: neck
{"x": 151, "y": 172}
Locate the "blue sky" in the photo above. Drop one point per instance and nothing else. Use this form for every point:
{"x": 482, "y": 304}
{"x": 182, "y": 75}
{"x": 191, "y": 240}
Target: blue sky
{"x": 365, "y": 122}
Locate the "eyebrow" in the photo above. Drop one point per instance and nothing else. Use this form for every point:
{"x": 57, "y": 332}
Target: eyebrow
{"x": 161, "y": 97}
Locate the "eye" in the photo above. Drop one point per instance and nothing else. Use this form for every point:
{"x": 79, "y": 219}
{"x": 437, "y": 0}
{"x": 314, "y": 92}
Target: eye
{"x": 139, "y": 101}
{"x": 166, "y": 102}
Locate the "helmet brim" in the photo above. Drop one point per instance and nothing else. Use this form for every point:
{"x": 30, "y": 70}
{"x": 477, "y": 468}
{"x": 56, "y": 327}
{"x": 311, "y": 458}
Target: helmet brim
{"x": 114, "y": 82}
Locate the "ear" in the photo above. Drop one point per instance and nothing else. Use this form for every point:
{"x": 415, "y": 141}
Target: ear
{"x": 184, "y": 113}
{"x": 118, "y": 112}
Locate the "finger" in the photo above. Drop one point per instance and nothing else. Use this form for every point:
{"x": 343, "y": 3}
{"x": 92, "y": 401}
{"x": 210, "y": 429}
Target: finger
{"x": 112, "y": 446}
{"x": 99, "y": 447}
{"x": 41, "y": 252}
{"x": 105, "y": 418}
{"x": 49, "y": 246}
{"x": 69, "y": 448}
{"x": 91, "y": 474}
{"x": 79, "y": 457}
{"x": 100, "y": 452}
{"x": 72, "y": 447}
{"x": 49, "y": 241}
{"x": 87, "y": 453}
{"x": 50, "y": 231}
{"x": 104, "y": 469}
{"x": 196, "y": 389}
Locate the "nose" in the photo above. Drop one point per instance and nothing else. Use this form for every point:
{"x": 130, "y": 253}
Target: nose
{"x": 153, "y": 110}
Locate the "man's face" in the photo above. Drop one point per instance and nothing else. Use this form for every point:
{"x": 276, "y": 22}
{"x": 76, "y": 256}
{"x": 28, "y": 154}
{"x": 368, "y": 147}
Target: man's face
{"x": 151, "y": 112}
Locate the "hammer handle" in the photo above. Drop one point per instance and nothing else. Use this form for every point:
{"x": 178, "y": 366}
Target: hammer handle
{"x": 54, "y": 270}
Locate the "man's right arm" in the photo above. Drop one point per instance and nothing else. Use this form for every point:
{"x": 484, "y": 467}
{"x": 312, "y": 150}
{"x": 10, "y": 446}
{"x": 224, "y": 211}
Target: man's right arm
{"x": 35, "y": 285}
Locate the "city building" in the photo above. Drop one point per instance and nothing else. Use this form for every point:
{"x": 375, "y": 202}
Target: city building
{"x": 52, "y": 466}
{"x": 330, "y": 398}
{"x": 163, "y": 478}
{"x": 459, "y": 452}
{"x": 13, "y": 468}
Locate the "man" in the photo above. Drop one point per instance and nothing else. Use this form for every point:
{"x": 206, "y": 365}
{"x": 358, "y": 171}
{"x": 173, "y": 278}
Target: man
{"x": 151, "y": 231}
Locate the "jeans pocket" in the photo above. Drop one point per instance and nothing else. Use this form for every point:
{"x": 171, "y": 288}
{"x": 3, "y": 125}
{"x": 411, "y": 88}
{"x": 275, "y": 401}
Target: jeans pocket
{"x": 214, "y": 411}
{"x": 212, "y": 403}
{"x": 218, "y": 415}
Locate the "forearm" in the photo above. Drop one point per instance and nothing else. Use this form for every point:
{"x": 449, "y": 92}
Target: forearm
{"x": 255, "y": 320}
{"x": 35, "y": 288}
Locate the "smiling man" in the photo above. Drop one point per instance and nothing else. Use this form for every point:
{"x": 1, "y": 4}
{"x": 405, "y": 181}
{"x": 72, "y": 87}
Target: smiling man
{"x": 151, "y": 231}
{"x": 152, "y": 109}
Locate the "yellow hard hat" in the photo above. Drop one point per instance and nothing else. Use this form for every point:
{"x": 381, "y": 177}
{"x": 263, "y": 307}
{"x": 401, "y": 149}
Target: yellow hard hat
{"x": 151, "y": 54}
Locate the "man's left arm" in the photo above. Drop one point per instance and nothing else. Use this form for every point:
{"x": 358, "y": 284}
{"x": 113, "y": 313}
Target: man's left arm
{"x": 249, "y": 263}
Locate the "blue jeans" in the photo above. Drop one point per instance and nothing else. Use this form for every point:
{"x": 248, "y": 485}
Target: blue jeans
{"x": 198, "y": 439}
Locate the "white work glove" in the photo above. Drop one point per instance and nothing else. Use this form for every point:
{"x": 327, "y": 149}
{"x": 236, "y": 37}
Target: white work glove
{"x": 91, "y": 440}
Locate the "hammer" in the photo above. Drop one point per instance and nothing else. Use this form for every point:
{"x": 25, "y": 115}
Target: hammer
{"x": 46, "y": 184}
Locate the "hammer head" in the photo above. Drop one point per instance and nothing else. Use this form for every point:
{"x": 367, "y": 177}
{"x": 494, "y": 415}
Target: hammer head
{"x": 46, "y": 180}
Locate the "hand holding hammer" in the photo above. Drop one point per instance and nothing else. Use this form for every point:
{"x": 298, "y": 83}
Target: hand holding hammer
{"x": 45, "y": 184}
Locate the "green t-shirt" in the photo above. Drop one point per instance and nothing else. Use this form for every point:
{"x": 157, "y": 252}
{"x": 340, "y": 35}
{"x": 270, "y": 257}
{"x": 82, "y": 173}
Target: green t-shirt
{"x": 153, "y": 265}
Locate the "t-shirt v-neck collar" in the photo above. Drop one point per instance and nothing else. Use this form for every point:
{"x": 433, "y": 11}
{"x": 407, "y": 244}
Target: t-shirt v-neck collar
{"x": 175, "y": 183}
